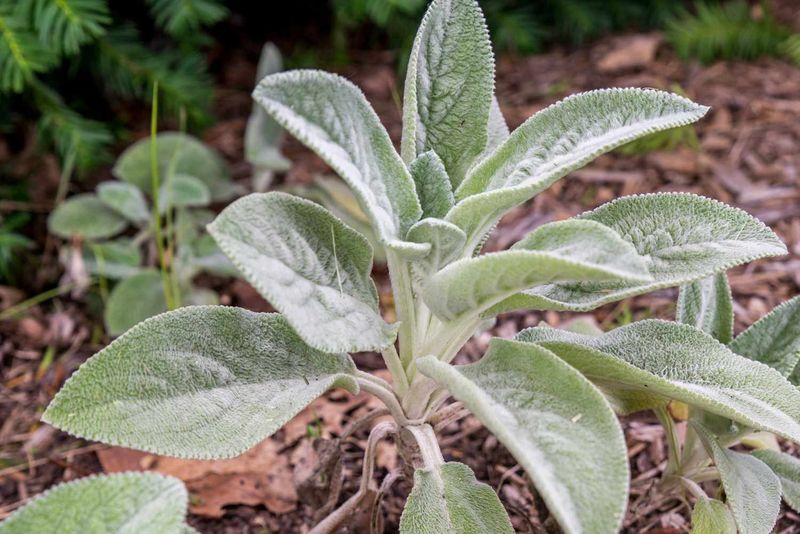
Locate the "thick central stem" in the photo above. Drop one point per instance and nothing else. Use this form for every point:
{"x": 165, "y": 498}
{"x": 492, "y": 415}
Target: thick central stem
{"x": 404, "y": 305}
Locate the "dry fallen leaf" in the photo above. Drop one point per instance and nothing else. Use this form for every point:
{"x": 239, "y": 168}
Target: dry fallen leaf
{"x": 259, "y": 476}
{"x": 631, "y": 52}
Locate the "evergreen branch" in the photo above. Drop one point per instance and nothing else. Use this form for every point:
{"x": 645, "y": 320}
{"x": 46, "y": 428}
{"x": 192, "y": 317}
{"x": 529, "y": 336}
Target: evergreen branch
{"x": 726, "y": 31}
{"x": 21, "y": 54}
{"x": 184, "y": 18}
{"x": 128, "y": 68}
{"x": 65, "y": 25}
{"x": 70, "y": 133}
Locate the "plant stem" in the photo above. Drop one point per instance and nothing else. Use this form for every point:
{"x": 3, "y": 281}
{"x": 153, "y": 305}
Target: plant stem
{"x": 673, "y": 442}
{"x": 387, "y": 396}
{"x": 376, "y": 379}
{"x": 66, "y": 176}
{"x": 695, "y": 456}
{"x": 415, "y": 402}
{"x": 17, "y": 309}
{"x": 428, "y": 445}
{"x": 704, "y": 474}
{"x": 345, "y": 511}
{"x": 169, "y": 212}
{"x": 395, "y": 367}
{"x": 693, "y": 488}
{"x": 154, "y": 185}
{"x": 404, "y": 305}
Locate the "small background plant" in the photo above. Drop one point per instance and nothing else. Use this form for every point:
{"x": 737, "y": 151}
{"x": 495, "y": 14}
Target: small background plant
{"x": 125, "y": 502}
{"x": 191, "y": 176}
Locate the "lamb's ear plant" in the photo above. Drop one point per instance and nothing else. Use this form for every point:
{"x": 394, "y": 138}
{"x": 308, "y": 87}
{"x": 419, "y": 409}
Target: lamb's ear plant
{"x": 752, "y": 483}
{"x": 191, "y": 176}
{"x": 211, "y": 381}
{"x": 123, "y": 503}
{"x": 738, "y": 390}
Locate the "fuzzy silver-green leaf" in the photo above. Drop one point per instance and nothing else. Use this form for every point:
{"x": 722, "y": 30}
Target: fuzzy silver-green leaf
{"x": 449, "y": 87}
{"x": 331, "y": 116}
{"x": 446, "y": 241}
{"x": 262, "y": 135}
{"x": 177, "y": 154}
{"x": 133, "y": 300}
{"x": 432, "y": 185}
{"x": 85, "y": 216}
{"x": 774, "y": 340}
{"x": 183, "y": 191}
{"x": 556, "y": 424}
{"x": 685, "y": 238}
{"x": 787, "y": 467}
{"x": 447, "y": 499}
{"x": 311, "y": 266}
{"x": 707, "y": 304}
{"x": 498, "y": 128}
{"x": 123, "y": 503}
{"x": 126, "y": 199}
{"x": 646, "y": 363}
{"x": 198, "y": 382}
{"x": 570, "y": 250}
{"x": 711, "y": 516}
{"x": 116, "y": 259}
{"x": 752, "y": 490}
{"x": 557, "y": 141}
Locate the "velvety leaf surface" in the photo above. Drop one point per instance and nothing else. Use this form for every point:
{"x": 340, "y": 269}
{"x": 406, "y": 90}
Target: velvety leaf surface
{"x": 331, "y": 116}
{"x": 711, "y": 516}
{"x": 707, "y": 304}
{"x": 498, "y": 128}
{"x": 787, "y": 468}
{"x": 568, "y": 250}
{"x": 179, "y": 154}
{"x": 86, "y": 216}
{"x": 183, "y": 191}
{"x": 197, "y": 382}
{"x": 126, "y": 199}
{"x": 449, "y": 87}
{"x": 133, "y": 300}
{"x": 686, "y": 238}
{"x": 119, "y": 258}
{"x": 432, "y": 185}
{"x": 448, "y": 499}
{"x": 558, "y": 140}
{"x": 555, "y": 423}
{"x": 650, "y": 361}
{"x": 312, "y": 268}
{"x": 774, "y": 340}
{"x": 446, "y": 241}
{"x": 125, "y": 503}
{"x": 752, "y": 490}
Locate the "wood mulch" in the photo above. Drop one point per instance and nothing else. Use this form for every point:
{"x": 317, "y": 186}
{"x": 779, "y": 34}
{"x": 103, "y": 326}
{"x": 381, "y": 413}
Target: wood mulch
{"x": 749, "y": 157}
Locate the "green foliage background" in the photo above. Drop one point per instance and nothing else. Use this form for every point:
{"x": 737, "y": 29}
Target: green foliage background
{"x": 70, "y": 62}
